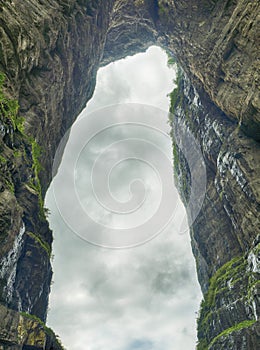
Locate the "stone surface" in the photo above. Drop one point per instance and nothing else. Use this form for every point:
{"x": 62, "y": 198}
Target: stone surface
{"x": 225, "y": 234}
{"x": 50, "y": 52}
{"x": 22, "y": 332}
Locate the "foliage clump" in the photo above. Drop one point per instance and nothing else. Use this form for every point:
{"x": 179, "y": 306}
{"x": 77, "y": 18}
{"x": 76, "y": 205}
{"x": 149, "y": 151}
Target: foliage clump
{"x": 237, "y": 327}
{"x": 9, "y": 109}
{"x": 233, "y": 274}
{"x": 9, "y": 116}
{"x": 179, "y": 162}
{"x": 44, "y": 245}
{"x": 35, "y": 183}
{"x": 46, "y": 329}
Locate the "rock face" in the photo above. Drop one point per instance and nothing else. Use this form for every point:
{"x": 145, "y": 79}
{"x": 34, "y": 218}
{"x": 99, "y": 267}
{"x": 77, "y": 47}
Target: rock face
{"x": 225, "y": 243}
{"x": 25, "y": 332}
{"x": 49, "y": 53}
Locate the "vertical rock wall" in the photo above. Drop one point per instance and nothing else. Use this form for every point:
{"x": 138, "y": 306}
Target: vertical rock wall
{"x": 225, "y": 235}
{"x": 50, "y": 52}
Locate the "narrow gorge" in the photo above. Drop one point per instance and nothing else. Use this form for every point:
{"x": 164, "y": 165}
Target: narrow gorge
{"x": 50, "y": 52}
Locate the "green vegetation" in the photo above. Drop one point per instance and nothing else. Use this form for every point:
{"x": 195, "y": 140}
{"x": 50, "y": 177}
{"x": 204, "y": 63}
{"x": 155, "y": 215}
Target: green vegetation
{"x": 36, "y": 153}
{"x": 221, "y": 195}
{"x": 10, "y": 119}
{"x": 256, "y": 249}
{"x": 176, "y": 161}
{"x": 9, "y": 115}
{"x": 46, "y": 329}
{"x": 163, "y": 9}
{"x": 175, "y": 95}
{"x": 17, "y": 153}
{"x": 202, "y": 345}
{"x": 10, "y": 185}
{"x": 9, "y": 109}
{"x": 236, "y": 327}
{"x": 233, "y": 274}
{"x": 232, "y": 268}
{"x": 37, "y": 167}
{"x": 43, "y": 244}
{"x": 32, "y": 317}
{"x": 3, "y": 160}
{"x": 176, "y": 99}
{"x": 225, "y": 273}
{"x": 171, "y": 62}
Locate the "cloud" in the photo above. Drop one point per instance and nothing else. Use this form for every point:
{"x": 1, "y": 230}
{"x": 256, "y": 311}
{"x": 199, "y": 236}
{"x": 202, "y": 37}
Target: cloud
{"x": 134, "y": 299}
{"x": 141, "y": 344}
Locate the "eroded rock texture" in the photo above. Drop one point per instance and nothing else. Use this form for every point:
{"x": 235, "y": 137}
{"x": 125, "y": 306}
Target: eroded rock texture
{"x": 50, "y": 52}
{"x": 225, "y": 234}
{"x": 23, "y": 332}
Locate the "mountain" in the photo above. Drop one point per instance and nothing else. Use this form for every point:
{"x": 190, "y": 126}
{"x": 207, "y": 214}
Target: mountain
{"x": 50, "y": 52}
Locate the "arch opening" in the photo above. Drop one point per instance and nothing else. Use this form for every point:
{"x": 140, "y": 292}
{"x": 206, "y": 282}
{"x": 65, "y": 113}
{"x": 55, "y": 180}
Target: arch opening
{"x": 151, "y": 286}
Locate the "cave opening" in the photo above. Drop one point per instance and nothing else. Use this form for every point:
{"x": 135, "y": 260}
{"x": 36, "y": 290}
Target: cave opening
{"x": 140, "y": 298}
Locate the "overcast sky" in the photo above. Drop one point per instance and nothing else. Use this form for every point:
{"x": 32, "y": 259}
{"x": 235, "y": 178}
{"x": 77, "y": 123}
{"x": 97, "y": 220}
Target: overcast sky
{"x": 142, "y": 298}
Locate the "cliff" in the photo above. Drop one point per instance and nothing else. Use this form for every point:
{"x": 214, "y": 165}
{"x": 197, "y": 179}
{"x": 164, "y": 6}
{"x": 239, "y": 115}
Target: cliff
{"x": 49, "y": 55}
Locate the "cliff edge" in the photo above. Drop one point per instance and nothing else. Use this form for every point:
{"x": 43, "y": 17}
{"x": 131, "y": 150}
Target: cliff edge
{"x": 49, "y": 55}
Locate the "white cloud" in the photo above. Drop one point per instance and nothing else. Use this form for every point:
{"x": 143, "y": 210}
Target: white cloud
{"x": 134, "y": 299}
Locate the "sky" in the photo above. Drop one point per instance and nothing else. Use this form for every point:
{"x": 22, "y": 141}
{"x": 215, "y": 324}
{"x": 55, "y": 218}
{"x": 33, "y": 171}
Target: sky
{"x": 116, "y": 176}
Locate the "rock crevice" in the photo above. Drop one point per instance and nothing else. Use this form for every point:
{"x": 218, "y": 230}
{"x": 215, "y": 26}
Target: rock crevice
{"x": 49, "y": 54}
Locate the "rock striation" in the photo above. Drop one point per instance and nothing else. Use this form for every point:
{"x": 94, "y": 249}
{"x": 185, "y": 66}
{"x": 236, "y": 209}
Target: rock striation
{"x": 23, "y": 331}
{"x": 225, "y": 243}
{"x": 49, "y": 55}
